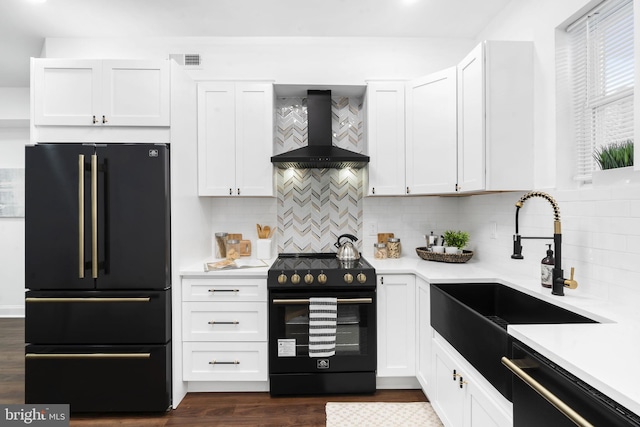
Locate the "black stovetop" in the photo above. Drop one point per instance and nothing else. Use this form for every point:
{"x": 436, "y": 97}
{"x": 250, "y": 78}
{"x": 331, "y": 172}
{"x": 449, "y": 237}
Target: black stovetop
{"x": 316, "y": 261}
{"x": 306, "y": 270}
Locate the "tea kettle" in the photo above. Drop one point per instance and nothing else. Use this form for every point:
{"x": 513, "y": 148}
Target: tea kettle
{"x": 346, "y": 250}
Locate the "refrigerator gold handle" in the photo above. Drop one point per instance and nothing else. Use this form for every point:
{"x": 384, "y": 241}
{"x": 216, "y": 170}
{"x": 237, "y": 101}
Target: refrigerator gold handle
{"x": 81, "y": 216}
{"x": 94, "y": 216}
{"x": 106, "y": 299}
{"x": 88, "y": 356}
{"x": 546, "y": 394}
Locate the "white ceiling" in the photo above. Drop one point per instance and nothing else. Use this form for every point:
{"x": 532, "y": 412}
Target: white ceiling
{"x": 25, "y": 24}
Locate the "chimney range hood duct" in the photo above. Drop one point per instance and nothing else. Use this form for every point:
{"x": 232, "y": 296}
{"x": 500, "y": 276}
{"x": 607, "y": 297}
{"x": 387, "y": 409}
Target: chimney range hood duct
{"x": 319, "y": 153}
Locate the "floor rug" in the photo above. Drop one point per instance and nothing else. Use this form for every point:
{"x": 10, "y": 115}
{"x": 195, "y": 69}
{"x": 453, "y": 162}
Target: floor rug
{"x": 387, "y": 414}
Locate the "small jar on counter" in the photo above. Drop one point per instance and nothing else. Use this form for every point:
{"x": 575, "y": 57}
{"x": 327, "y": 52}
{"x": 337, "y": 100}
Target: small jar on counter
{"x": 221, "y": 244}
{"x": 394, "y": 249}
{"x": 233, "y": 249}
{"x": 380, "y": 250}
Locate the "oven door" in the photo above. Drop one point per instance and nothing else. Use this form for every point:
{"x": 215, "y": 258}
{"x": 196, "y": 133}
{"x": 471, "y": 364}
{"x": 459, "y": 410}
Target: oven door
{"x": 289, "y": 333}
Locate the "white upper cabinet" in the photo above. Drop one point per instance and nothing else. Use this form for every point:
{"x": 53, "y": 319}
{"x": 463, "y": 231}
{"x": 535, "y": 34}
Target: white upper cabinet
{"x": 386, "y": 135}
{"x": 69, "y": 92}
{"x": 469, "y": 128}
{"x": 235, "y": 139}
{"x": 431, "y": 133}
{"x": 495, "y": 117}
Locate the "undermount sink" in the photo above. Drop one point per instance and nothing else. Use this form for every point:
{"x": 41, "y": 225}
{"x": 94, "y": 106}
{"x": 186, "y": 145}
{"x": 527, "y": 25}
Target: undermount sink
{"x": 473, "y": 317}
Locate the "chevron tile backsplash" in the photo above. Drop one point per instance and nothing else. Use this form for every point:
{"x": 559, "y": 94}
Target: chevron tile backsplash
{"x": 315, "y": 206}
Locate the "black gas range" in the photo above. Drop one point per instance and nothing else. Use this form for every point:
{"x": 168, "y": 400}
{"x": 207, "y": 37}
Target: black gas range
{"x": 295, "y": 282}
{"x": 320, "y": 271}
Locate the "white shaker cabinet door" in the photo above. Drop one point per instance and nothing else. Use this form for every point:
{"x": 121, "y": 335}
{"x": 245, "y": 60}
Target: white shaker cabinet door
{"x": 386, "y": 138}
{"x": 66, "y": 91}
{"x": 396, "y": 325}
{"x": 471, "y": 121}
{"x": 432, "y": 133}
{"x": 254, "y": 139}
{"x": 135, "y": 93}
{"x": 216, "y": 139}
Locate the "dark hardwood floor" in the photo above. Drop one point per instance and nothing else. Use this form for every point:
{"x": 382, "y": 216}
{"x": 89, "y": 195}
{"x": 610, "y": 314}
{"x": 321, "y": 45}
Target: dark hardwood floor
{"x": 196, "y": 409}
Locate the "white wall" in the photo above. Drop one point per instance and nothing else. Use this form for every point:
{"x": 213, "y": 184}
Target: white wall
{"x": 12, "y": 142}
{"x": 286, "y": 60}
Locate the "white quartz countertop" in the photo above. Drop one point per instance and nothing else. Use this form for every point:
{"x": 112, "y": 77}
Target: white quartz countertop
{"x": 604, "y": 355}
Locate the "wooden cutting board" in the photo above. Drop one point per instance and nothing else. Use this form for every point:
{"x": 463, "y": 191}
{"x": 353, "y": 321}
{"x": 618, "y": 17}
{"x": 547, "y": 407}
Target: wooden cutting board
{"x": 383, "y": 237}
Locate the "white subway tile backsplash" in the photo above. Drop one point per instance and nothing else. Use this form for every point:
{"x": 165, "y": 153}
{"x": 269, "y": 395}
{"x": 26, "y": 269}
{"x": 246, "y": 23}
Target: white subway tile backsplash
{"x": 600, "y": 226}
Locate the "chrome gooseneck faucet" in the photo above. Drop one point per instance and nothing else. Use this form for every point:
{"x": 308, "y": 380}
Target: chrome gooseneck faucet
{"x": 559, "y": 282}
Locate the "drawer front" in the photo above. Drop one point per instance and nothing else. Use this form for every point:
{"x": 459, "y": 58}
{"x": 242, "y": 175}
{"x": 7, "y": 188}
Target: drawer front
{"x": 224, "y": 361}
{"x": 98, "y": 317}
{"x": 100, "y": 378}
{"x": 207, "y": 321}
{"x": 224, "y": 289}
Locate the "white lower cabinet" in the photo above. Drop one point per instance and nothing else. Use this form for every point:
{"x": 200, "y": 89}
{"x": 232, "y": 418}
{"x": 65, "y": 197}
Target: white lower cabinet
{"x": 460, "y": 395}
{"x": 224, "y": 329}
{"x": 225, "y": 361}
{"x": 396, "y": 325}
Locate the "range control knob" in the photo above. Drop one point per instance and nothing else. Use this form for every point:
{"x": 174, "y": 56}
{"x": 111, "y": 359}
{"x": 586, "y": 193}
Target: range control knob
{"x": 282, "y": 278}
{"x": 361, "y": 278}
{"x": 322, "y": 278}
{"x": 308, "y": 278}
{"x": 348, "y": 278}
{"x": 295, "y": 279}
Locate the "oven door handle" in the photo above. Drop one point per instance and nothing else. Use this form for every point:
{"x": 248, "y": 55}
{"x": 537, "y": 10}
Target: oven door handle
{"x": 340, "y": 301}
{"x": 565, "y": 409}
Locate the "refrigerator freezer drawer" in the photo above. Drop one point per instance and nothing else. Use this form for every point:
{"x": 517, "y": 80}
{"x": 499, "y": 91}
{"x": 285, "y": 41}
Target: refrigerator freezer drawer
{"x": 98, "y": 317}
{"x": 100, "y": 378}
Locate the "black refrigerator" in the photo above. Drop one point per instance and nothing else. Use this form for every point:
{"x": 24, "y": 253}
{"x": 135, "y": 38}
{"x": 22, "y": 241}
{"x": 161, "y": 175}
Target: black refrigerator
{"x": 98, "y": 277}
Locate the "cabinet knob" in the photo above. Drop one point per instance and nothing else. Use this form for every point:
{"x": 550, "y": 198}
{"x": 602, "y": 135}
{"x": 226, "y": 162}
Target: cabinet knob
{"x": 373, "y": 190}
{"x": 94, "y": 120}
{"x": 238, "y": 191}
{"x": 231, "y": 191}
{"x": 104, "y": 120}
{"x": 408, "y": 190}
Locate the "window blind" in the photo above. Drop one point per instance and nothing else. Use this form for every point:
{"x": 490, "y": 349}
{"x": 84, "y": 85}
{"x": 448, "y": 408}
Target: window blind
{"x": 601, "y": 69}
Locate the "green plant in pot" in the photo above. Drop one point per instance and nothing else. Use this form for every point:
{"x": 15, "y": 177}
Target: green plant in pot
{"x": 456, "y": 239}
{"x": 615, "y": 155}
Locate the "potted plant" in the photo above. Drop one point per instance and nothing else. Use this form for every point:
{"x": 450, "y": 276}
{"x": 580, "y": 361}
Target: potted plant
{"x": 615, "y": 155}
{"x": 456, "y": 240}
{"x": 616, "y": 163}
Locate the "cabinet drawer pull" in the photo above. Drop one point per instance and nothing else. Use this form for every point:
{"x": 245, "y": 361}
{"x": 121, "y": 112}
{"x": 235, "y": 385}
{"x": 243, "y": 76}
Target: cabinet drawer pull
{"x": 35, "y": 299}
{"x": 216, "y": 322}
{"x": 215, "y": 362}
{"x": 88, "y": 356}
{"x": 224, "y": 290}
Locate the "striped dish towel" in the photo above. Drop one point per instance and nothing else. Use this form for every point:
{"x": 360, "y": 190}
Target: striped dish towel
{"x": 323, "y": 313}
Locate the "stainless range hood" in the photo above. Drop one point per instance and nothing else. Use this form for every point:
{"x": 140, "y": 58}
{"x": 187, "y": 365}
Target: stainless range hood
{"x": 320, "y": 153}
